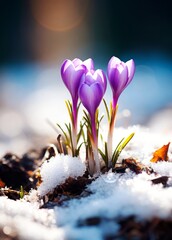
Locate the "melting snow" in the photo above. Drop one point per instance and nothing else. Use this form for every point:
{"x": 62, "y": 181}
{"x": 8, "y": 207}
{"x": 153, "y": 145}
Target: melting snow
{"x": 28, "y": 221}
{"x": 57, "y": 169}
{"x": 113, "y": 195}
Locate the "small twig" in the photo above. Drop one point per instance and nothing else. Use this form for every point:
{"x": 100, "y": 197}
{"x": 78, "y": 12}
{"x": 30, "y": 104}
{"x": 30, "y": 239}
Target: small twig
{"x": 59, "y": 144}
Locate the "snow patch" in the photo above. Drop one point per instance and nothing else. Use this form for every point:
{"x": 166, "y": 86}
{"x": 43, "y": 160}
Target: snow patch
{"x": 163, "y": 168}
{"x": 28, "y": 221}
{"x": 57, "y": 169}
{"x": 129, "y": 194}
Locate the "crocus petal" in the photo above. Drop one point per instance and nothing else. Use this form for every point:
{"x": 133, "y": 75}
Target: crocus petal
{"x": 118, "y": 78}
{"x": 101, "y": 77}
{"x": 96, "y": 76}
{"x": 89, "y": 78}
{"x": 77, "y": 62}
{"x": 72, "y": 77}
{"x": 65, "y": 65}
{"x": 113, "y": 62}
{"x": 89, "y": 64}
{"x": 91, "y": 96}
{"x": 131, "y": 70}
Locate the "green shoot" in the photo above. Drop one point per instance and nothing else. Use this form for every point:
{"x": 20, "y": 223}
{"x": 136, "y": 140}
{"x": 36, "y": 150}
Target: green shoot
{"x": 121, "y": 145}
{"x": 21, "y": 192}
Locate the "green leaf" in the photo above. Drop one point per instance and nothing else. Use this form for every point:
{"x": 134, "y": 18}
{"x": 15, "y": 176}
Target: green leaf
{"x": 70, "y": 136}
{"x": 64, "y": 133}
{"x": 98, "y": 124}
{"x": 101, "y": 119}
{"x": 87, "y": 120}
{"x": 107, "y": 110}
{"x": 101, "y": 137}
{"x": 21, "y": 193}
{"x": 122, "y": 144}
{"x": 70, "y": 105}
{"x": 80, "y": 132}
{"x": 106, "y": 151}
{"x": 104, "y": 155}
{"x": 86, "y": 116}
{"x": 116, "y": 149}
{"x": 126, "y": 140}
{"x": 79, "y": 106}
{"x": 69, "y": 108}
{"x": 69, "y": 131}
{"x": 83, "y": 134}
{"x": 78, "y": 149}
{"x": 68, "y": 128}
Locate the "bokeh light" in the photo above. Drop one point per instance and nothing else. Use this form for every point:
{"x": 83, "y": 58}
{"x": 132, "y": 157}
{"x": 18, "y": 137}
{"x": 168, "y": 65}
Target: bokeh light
{"x": 60, "y": 15}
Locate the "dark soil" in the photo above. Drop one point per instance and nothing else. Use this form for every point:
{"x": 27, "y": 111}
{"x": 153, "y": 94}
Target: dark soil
{"x": 18, "y": 171}
{"x": 133, "y": 229}
{"x": 156, "y": 228}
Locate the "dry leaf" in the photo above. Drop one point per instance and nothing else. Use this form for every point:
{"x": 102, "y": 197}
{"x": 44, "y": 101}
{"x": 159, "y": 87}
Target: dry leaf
{"x": 163, "y": 180}
{"x": 161, "y": 154}
{"x": 2, "y": 184}
{"x": 135, "y": 166}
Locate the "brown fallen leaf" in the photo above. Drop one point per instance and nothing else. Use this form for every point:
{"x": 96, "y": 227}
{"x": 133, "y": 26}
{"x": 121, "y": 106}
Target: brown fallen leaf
{"x": 161, "y": 154}
{"x": 135, "y": 166}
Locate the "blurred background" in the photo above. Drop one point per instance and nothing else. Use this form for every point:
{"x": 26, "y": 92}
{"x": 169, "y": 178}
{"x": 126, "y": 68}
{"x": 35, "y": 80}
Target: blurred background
{"x": 37, "y": 35}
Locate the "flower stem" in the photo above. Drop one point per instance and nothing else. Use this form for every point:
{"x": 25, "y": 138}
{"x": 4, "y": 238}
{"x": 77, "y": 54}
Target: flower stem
{"x": 94, "y": 130}
{"x": 74, "y": 125}
{"x": 110, "y": 133}
{"x": 95, "y": 145}
{"x": 96, "y": 161}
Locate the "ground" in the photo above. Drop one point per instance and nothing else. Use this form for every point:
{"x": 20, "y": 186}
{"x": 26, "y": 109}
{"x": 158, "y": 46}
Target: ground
{"x": 61, "y": 201}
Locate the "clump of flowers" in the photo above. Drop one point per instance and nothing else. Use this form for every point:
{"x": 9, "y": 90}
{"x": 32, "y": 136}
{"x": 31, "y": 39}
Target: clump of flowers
{"x": 87, "y": 86}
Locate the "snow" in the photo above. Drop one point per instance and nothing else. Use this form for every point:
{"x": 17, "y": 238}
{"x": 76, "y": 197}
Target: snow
{"x": 27, "y": 221}
{"x": 113, "y": 195}
{"x": 57, "y": 169}
{"x": 127, "y": 195}
{"x": 163, "y": 168}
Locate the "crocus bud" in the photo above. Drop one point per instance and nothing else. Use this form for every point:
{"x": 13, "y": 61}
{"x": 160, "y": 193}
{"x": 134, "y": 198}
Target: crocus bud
{"x": 120, "y": 75}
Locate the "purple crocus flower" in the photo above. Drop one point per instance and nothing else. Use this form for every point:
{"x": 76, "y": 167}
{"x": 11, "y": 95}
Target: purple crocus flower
{"x": 120, "y": 75}
{"x": 71, "y": 72}
{"x": 91, "y": 93}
